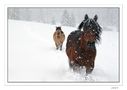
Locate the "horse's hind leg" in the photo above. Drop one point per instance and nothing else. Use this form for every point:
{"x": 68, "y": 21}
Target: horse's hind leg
{"x": 61, "y": 47}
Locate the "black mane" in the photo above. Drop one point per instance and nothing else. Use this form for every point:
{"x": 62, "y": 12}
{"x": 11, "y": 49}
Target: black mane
{"x": 91, "y": 24}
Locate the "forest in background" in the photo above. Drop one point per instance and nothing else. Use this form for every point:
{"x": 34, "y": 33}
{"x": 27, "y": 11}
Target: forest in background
{"x": 107, "y": 16}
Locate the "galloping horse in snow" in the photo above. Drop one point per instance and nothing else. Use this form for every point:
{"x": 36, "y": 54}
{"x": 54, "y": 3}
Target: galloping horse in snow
{"x": 59, "y": 38}
{"x": 80, "y": 46}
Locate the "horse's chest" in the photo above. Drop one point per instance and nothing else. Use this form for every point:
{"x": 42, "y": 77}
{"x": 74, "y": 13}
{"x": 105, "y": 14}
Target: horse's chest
{"x": 58, "y": 36}
{"x": 86, "y": 53}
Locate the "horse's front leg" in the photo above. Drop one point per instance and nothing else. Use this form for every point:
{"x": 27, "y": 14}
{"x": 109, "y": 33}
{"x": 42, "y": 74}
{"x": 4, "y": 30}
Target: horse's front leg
{"x": 90, "y": 68}
{"x": 57, "y": 46}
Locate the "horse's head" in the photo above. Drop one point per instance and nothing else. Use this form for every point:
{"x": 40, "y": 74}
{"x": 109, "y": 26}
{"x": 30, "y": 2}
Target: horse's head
{"x": 58, "y": 28}
{"x": 91, "y": 29}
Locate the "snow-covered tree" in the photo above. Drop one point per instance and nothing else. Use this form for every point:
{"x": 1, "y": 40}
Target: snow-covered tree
{"x": 13, "y": 13}
{"x": 72, "y": 21}
{"x": 35, "y": 15}
{"x": 67, "y": 19}
{"x": 24, "y": 14}
{"x": 53, "y": 21}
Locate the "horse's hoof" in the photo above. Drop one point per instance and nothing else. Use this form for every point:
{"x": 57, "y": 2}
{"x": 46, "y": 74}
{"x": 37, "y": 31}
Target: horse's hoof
{"x": 89, "y": 71}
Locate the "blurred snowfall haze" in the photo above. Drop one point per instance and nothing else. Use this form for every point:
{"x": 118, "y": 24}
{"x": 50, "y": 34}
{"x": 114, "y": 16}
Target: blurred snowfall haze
{"x": 107, "y": 16}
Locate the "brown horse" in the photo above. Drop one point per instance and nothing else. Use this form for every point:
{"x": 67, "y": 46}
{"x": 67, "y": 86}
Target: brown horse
{"x": 59, "y": 38}
{"x": 80, "y": 46}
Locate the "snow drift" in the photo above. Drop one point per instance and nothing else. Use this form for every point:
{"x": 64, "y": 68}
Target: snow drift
{"x": 32, "y": 56}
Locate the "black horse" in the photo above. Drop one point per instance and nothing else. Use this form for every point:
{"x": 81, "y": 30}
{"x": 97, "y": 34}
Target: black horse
{"x": 80, "y": 46}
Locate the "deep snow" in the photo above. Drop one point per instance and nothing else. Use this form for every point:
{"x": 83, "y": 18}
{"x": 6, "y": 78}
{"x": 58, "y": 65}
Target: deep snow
{"x": 32, "y": 56}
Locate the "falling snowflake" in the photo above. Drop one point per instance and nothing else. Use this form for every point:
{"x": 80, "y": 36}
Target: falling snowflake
{"x": 79, "y": 38}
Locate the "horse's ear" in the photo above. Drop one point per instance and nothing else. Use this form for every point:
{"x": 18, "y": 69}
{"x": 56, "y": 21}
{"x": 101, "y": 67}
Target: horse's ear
{"x": 95, "y": 17}
{"x": 86, "y": 17}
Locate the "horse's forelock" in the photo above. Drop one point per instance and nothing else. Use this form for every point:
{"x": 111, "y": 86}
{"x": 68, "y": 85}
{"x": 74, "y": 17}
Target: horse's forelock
{"x": 91, "y": 23}
{"x": 58, "y": 28}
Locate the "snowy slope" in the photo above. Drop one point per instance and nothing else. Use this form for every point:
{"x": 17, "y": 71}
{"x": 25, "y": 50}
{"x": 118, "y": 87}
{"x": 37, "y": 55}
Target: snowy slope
{"x": 33, "y": 57}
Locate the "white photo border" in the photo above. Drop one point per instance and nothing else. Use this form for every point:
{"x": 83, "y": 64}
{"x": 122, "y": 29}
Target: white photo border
{"x": 67, "y": 83}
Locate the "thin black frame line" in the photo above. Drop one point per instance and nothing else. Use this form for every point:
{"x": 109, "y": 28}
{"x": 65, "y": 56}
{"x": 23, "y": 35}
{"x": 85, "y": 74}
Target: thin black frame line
{"x": 63, "y": 7}
{"x": 119, "y": 43}
{"x": 7, "y": 47}
{"x": 62, "y": 81}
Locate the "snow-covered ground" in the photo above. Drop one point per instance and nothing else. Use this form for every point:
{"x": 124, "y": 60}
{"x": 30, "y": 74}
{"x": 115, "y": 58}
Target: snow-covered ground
{"x": 34, "y": 58}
